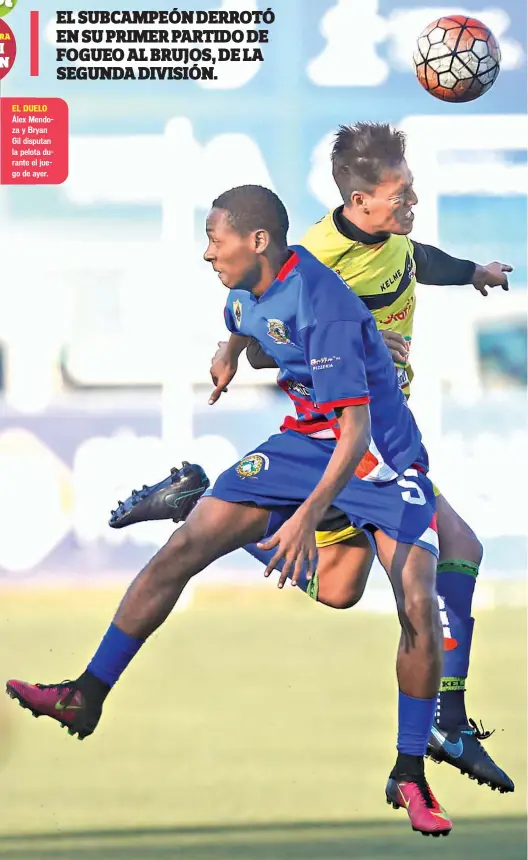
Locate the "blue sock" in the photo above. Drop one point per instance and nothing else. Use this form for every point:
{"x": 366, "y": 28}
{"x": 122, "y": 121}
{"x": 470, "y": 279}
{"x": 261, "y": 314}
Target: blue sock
{"x": 415, "y": 720}
{"x": 114, "y": 654}
{"x": 455, "y": 584}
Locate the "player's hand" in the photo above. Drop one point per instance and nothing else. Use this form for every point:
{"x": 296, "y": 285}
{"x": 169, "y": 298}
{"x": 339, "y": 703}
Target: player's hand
{"x": 492, "y": 275}
{"x": 397, "y": 346}
{"x": 295, "y": 542}
{"x": 223, "y": 369}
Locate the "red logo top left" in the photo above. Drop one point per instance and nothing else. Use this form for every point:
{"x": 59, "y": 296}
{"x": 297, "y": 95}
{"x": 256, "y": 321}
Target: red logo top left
{"x": 7, "y": 48}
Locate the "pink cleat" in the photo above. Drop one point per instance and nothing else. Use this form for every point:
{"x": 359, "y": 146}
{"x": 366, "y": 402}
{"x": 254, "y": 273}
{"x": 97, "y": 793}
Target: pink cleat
{"x": 63, "y": 702}
{"x": 423, "y": 809}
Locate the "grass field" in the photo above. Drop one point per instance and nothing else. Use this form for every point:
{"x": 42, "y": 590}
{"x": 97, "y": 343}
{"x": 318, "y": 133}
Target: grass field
{"x": 255, "y": 726}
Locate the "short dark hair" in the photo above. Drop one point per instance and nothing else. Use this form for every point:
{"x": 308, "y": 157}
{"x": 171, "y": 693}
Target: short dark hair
{"x": 252, "y": 207}
{"x": 362, "y": 152}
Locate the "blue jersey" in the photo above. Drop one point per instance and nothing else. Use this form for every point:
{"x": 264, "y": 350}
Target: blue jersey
{"x": 330, "y": 354}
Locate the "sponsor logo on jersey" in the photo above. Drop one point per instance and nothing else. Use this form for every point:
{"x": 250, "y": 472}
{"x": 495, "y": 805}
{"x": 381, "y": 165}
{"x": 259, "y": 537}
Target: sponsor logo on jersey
{"x": 251, "y": 465}
{"x": 278, "y": 331}
{"x": 237, "y": 312}
{"x": 401, "y": 315}
{"x": 390, "y": 281}
{"x": 324, "y": 363}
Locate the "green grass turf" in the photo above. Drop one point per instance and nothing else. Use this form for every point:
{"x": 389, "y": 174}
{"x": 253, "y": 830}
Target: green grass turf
{"x": 255, "y": 726}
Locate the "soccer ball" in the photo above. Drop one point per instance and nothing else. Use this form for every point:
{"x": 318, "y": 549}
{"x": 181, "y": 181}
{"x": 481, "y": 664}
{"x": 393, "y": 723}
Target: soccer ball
{"x": 457, "y": 59}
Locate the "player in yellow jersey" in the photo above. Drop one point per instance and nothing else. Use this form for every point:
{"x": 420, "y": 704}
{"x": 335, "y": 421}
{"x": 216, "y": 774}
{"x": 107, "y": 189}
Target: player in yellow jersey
{"x": 367, "y": 241}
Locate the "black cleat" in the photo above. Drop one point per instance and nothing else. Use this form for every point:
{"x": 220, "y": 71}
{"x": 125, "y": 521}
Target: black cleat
{"x": 462, "y": 748}
{"x": 171, "y": 499}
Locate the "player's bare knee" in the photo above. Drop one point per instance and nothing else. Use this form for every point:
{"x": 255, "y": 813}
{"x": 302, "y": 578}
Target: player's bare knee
{"x": 456, "y": 538}
{"x": 460, "y": 542}
{"x": 343, "y": 571}
{"x": 467, "y": 550}
{"x": 417, "y": 598}
{"x": 474, "y": 549}
{"x": 471, "y": 548}
{"x": 341, "y": 599}
{"x": 349, "y": 599}
{"x": 339, "y": 593}
{"x": 180, "y": 558}
{"x": 420, "y": 607}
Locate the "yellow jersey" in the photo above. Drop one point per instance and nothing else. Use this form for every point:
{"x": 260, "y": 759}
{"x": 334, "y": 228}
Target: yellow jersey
{"x": 382, "y": 272}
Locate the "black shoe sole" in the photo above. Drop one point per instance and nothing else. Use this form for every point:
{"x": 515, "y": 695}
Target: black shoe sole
{"x": 435, "y": 833}
{"x": 14, "y": 694}
{"x": 149, "y": 504}
{"x": 437, "y": 760}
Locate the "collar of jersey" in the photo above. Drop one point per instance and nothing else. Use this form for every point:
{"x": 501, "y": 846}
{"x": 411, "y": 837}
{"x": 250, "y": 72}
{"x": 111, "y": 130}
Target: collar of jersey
{"x": 350, "y": 231}
{"x": 283, "y": 274}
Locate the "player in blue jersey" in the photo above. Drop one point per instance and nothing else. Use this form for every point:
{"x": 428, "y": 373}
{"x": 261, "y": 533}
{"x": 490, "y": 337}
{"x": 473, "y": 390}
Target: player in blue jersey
{"x": 366, "y": 240}
{"x": 355, "y": 445}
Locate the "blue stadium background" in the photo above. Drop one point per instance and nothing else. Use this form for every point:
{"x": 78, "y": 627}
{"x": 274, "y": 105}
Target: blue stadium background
{"x": 287, "y": 115}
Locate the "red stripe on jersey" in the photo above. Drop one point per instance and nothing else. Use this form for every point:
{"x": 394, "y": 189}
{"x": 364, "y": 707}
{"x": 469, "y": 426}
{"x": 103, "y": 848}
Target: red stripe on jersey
{"x": 348, "y": 401}
{"x": 366, "y": 465}
{"x": 290, "y": 264}
{"x": 314, "y": 418}
{"x": 304, "y": 407}
{"x": 434, "y": 523}
{"x": 307, "y": 427}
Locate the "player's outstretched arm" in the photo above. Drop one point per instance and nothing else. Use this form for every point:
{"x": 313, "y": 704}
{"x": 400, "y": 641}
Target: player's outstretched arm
{"x": 224, "y": 364}
{"x": 256, "y": 356}
{"x": 295, "y": 540}
{"x": 351, "y": 447}
{"x": 434, "y": 266}
{"x": 492, "y": 275}
{"x": 395, "y": 342}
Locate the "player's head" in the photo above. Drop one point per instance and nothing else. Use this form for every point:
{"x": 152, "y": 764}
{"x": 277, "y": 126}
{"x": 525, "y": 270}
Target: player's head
{"x": 247, "y": 230}
{"x": 370, "y": 170}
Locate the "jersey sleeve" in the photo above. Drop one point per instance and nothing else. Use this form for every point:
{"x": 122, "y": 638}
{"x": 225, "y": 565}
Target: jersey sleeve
{"x": 335, "y": 354}
{"x": 229, "y": 319}
{"x": 434, "y": 266}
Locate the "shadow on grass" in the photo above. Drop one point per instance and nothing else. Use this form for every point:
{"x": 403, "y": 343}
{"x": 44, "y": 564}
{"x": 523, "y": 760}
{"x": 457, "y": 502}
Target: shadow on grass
{"x": 486, "y": 839}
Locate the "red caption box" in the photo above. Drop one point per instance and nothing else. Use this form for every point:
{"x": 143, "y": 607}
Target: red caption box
{"x": 33, "y": 141}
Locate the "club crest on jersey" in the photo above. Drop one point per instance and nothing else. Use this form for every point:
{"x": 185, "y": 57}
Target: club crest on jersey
{"x": 237, "y": 312}
{"x": 251, "y": 465}
{"x": 278, "y": 331}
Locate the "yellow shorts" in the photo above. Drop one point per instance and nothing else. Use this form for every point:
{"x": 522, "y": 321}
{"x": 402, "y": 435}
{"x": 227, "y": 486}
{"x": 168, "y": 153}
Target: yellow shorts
{"x": 346, "y": 533}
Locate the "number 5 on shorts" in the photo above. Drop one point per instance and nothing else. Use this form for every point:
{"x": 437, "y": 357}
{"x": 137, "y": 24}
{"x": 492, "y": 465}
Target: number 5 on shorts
{"x": 412, "y": 493}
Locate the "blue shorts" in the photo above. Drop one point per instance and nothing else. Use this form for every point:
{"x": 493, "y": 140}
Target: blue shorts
{"x": 282, "y": 472}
